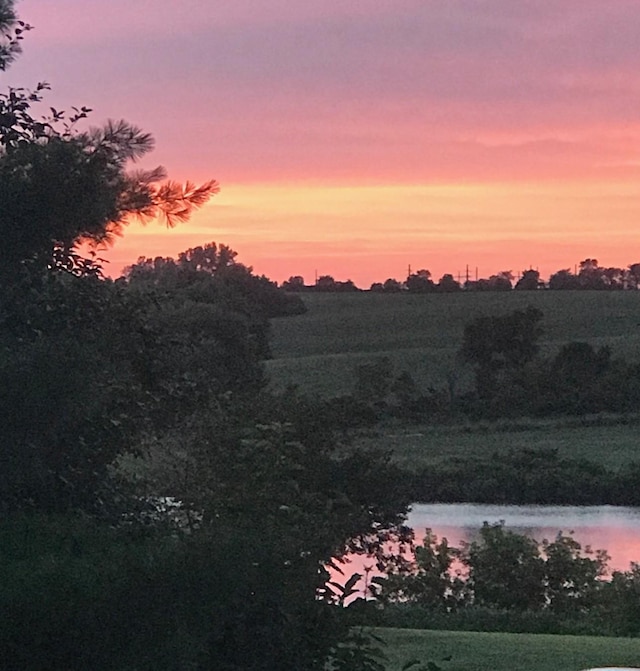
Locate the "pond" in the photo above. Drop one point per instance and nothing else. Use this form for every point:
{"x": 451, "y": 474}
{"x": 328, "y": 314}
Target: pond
{"x": 615, "y": 529}
{"x": 612, "y": 528}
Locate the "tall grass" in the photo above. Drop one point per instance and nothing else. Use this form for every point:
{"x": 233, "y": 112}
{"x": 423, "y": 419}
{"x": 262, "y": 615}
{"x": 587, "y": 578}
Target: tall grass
{"x": 612, "y": 442}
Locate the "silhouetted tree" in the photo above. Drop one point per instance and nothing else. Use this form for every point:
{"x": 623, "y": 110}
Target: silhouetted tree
{"x": 590, "y": 275}
{"x": 325, "y": 283}
{"x": 294, "y": 283}
{"x": 578, "y": 363}
{"x": 77, "y": 355}
{"x": 529, "y": 281}
{"x": 61, "y": 188}
{"x": 496, "y": 343}
{"x": 505, "y": 569}
{"x": 501, "y": 281}
{"x": 209, "y": 276}
{"x": 481, "y": 284}
{"x": 431, "y": 580}
{"x": 91, "y": 368}
{"x": 563, "y": 280}
{"x": 11, "y": 33}
{"x": 420, "y": 282}
{"x": 615, "y": 278}
{"x": 192, "y": 266}
{"x": 572, "y": 580}
{"x": 346, "y": 286}
{"x": 209, "y": 258}
{"x": 391, "y": 286}
{"x": 634, "y": 275}
{"x": 373, "y": 381}
{"x": 448, "y": 284}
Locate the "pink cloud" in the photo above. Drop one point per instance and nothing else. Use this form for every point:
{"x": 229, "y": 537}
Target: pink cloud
{"x": 391, "y": 90}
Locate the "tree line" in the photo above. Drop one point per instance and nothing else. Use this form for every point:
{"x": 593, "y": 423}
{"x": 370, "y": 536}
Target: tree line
{"x": 588, "y": 276}
{"x": 511, "y": 378}
{"x": 506, "y": 581}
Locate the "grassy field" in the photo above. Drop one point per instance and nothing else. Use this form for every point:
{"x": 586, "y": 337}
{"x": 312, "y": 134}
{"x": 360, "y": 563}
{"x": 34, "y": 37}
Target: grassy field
{"x": 318, "y": 352}
{"x": 422, "y": 333}
{"x": 474, "y": 651}
{"x": 613, "y": 444}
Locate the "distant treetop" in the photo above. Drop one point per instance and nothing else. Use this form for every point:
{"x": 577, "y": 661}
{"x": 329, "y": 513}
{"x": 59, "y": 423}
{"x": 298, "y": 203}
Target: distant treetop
{"x": 590, "y": 276}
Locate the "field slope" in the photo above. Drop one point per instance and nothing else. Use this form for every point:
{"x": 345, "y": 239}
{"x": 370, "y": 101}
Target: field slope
{"x": 422, "y": 333}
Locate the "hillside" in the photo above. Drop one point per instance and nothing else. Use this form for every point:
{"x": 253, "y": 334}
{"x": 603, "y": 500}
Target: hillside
{"x": 422, "y": 333}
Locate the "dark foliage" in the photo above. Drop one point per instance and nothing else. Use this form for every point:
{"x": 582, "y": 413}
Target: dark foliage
{"x": 60, "y": 187}
{"x": 512, "y": 381}
{"x": 504, "y": 581}
{"x": 519, "y": 477}
{"x": 529, "y": 281}
{"x": 505, "y": 341}
{"x": 12, "y": 32}
{"x": 210, "y": 276}
{"x": 420, "y": 282}
{"x": 88, "y": 367}
{"x": 506, "y": 571}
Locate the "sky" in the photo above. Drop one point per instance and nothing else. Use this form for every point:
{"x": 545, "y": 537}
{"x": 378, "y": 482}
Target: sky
{"x": 358, "y": 139}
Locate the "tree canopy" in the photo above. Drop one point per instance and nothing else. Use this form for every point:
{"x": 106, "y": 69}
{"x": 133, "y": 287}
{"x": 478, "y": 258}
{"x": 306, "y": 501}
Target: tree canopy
{"x": 11, "y": 33}
{"x": 60, "y": 187}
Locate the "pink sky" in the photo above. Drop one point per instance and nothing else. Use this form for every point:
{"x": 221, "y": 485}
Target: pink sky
{"x": 355, "y": 139}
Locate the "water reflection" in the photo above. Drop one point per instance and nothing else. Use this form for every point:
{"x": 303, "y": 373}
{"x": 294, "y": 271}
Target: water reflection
{"x": 615, "y": 529}
{"x": 612, "y": 528}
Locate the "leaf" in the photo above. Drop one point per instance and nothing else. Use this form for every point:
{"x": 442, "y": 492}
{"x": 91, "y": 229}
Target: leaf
{"x": 332, "y": 564}
{"x": 350, "y": 584}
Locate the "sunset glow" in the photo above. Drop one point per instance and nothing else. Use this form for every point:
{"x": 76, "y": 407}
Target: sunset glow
{"x": 359, "y": 141}
{"x": 373, "y": 232}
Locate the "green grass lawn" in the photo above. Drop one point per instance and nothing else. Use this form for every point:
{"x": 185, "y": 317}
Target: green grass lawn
{"x": 475, "y": 651}
{"x": 422, "y": 333}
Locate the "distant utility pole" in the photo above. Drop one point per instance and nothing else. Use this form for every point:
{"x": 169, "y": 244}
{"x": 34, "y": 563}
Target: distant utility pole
{"x": 316, "y": 276}
{"x": 409, "y": 270}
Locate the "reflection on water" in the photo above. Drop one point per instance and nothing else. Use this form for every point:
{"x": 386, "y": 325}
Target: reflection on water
{"x": 612, "y": 528}
{"x": 615, "y": 529}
